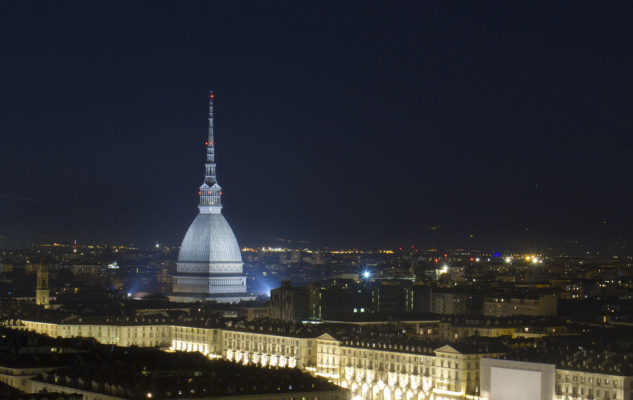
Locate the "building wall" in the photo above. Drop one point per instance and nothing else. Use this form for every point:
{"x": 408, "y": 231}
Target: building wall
{"x": 545, "y": 305}
{"x": 328, "y": 363}
{"x": 524, "y": 371}
{"x": 448, "y": 303}
{"x": 346, "y": 299}
{"x": 371, "y": 373}
{"x": 379, "y": 373}
{"x": 393, "y": 297}
{"x": 207, "y": 341}
{"x": 368, "y": 370}
{"x": 19, "y": 378}
{"x": 578, "y": 385}
{"x": 120, "y": 335}
{"x": 457, "y": 372}
{"x": 289, "y": 303}
{"x": 267, "y": 349}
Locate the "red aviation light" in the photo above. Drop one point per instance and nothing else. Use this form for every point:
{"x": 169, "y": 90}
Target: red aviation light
{"x": 436, "y": 260}
{"x": 199, "y": 193}
{"x": 211, "y": 95}
{"x": 472, "y": 259}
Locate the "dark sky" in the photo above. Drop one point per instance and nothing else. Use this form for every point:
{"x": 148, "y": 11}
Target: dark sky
{"x": 455, "y": 124}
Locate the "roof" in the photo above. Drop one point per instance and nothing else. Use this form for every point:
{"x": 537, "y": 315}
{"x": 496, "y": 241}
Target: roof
{"x": 473, "y": 347}
{"x": 598, "y": 352}
{"x": 210, "y": 239}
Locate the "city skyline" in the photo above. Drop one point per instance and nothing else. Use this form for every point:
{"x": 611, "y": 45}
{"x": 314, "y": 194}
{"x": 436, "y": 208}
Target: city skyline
{"x": 390, "y": 201}
{"x": 472, "y": 126}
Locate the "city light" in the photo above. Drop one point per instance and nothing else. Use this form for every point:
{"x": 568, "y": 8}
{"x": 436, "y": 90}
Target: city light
{"x": 376, "y": 166}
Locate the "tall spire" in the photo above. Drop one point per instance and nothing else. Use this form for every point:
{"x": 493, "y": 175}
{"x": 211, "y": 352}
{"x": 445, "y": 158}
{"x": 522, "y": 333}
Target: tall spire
{"x": 210, "y": 143}
{"x": 42, "y": 291}
{"x": 210, "y": 192}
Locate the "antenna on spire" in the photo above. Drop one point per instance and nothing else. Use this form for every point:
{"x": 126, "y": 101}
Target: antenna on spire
{"x": 210, "y": 141}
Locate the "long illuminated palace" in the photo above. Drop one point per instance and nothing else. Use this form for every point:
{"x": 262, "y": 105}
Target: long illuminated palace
{"x": 371, "y": 368}
{"x": 209, "y": 265}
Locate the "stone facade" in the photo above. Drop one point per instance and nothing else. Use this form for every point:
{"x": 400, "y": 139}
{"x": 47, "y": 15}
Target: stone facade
{"x": 368, "y": 369}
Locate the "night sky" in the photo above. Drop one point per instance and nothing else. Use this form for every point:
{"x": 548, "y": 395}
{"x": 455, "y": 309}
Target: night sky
{"x": 501, "y": 125}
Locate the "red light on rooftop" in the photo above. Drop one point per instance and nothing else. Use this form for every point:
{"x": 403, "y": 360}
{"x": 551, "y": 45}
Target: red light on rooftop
{"x": 436, "y": 260}
{"x": 472, "y": 259}
{"x": 211, "y": 95}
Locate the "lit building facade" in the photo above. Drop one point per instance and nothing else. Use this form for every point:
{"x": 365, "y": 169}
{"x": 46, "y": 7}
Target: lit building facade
{"x": 369, "y": 369}
{"x": 268, "y": 349}
{"x": 209, "y": 265}
{"x": 375, "y": 370}
{"x": 140, "y": 333}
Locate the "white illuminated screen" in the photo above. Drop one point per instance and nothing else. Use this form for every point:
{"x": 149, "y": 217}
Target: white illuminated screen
{"x": 514, "y": 384}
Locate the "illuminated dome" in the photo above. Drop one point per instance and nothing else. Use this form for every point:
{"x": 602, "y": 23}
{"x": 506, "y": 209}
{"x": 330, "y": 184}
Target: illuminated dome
{"x": 209, "y": 239}
{"x": 209, "y": 265}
